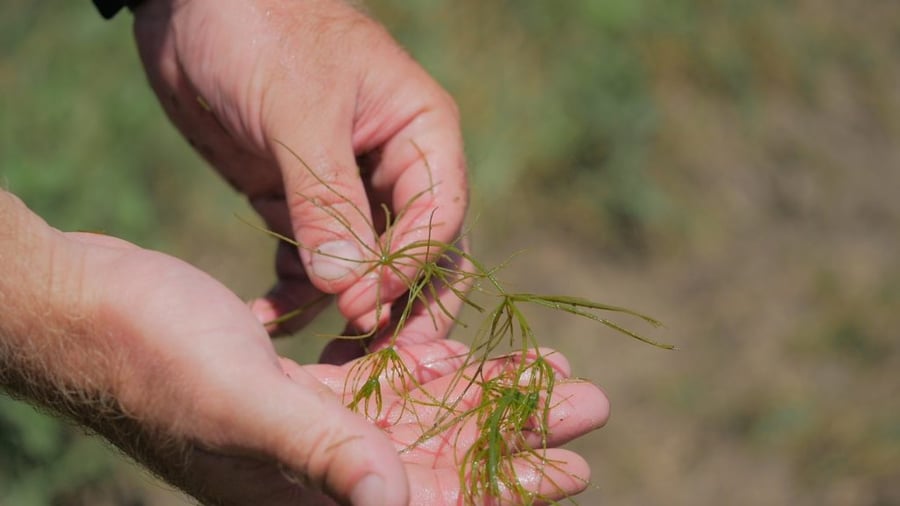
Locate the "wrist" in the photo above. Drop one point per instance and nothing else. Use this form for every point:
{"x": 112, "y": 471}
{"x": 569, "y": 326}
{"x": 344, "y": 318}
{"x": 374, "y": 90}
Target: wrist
{"x": 26, "y": 242}
{"x": 44, "y": 321}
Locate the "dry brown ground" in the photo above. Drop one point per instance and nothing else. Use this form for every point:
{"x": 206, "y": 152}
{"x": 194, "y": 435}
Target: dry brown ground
{"x": 782, "y": 291}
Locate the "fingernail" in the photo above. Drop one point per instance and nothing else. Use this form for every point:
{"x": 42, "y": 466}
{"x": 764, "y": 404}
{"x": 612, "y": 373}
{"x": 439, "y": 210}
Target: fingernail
{"x": 369, "y": 491}
{"x": 336, "y": 259}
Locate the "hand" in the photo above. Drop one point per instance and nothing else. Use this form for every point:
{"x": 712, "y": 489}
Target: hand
{"x": 173, "y": 368}
{"x": 169, "y": 365}
{"x": 432, "y": 466}
{"x": 407, "y": 412}
{"x": 244, "y": 81}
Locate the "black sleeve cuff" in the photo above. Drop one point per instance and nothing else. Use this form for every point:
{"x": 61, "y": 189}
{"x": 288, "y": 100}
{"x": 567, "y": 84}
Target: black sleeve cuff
{"x": 109, "y": 8}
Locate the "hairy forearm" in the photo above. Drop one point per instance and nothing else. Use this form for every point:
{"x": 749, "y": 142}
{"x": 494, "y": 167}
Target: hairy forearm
{"x": 42, "y": 316}
{"x": 53, "y": 351}
{"x": 30, "y": 327}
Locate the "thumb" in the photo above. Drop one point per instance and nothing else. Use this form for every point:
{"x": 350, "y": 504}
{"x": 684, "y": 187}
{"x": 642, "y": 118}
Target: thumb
{"x": 301, "y": 424}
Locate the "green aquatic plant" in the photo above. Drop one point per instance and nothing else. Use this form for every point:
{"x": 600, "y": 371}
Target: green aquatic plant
{"x": 505, "y": 383}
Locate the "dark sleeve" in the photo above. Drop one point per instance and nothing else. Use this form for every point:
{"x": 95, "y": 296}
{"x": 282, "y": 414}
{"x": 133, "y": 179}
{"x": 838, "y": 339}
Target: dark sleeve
{"x": 109, "y": 8}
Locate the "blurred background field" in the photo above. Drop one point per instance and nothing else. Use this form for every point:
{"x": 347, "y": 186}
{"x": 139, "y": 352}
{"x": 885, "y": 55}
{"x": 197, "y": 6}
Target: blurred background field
{"x": 730, "y": 167}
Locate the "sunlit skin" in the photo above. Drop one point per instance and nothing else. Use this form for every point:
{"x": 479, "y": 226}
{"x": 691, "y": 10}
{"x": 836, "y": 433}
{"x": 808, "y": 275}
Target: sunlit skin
{"x": 329, "y": 82}
{"x": 245, "y": 417}
{"x": 171, "y": 366}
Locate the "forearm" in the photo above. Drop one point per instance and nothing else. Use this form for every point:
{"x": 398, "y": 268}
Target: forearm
{"x": 31, "y": 329}
{"x": 53, "y": 351}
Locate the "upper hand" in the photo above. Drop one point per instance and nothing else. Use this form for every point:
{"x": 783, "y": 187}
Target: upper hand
{"x": 244, "y": 81}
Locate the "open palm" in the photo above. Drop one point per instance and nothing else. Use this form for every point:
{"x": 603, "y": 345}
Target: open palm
{"x": 429, "y": 407}
{"x": 249, "y": 427}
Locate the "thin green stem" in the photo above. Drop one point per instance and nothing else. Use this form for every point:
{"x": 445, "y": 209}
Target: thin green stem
{"x": 512, "y": 391}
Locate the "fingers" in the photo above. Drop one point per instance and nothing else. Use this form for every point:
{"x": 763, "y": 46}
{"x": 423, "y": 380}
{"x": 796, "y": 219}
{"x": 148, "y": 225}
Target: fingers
{"x": 410, "y": 128}
{"x": 328, "y": 207}
{"x": 417, "y": 167}
{"x": 294, "y": 301}
{"x": 574, "y": 409}
{"x": 455, "y": 390}
{"x": 535, "y": 478}
{"x": 331, "y": 207}
{"x": 308, "y": 120}
{"x": 462, "y": 431}
{"x": 424, "y": 362}
{"x": 430, "y": 308}
{"x": 408, "y": 366}
{"x": 331, "y": 210}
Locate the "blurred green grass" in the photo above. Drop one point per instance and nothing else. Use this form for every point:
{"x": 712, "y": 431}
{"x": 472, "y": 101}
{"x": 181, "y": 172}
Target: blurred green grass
{"x": 728, "y": 166}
